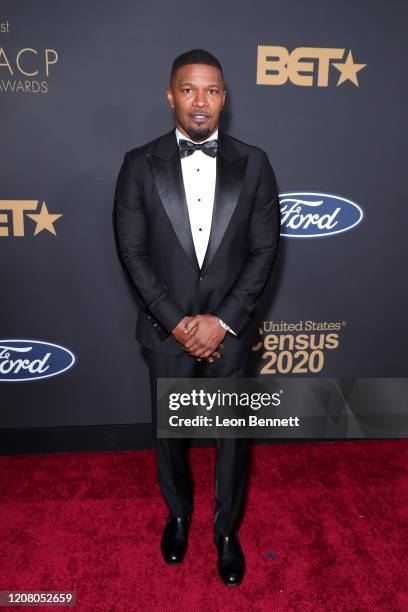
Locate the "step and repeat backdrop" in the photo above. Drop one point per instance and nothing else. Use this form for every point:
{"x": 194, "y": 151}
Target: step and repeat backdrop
{"x": 320, "y": 86}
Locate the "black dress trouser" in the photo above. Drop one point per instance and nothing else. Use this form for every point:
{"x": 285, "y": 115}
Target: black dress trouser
{"x": 232, "y": 453}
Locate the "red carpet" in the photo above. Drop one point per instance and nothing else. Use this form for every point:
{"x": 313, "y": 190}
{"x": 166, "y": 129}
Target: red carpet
{"x": 325, "y": 530}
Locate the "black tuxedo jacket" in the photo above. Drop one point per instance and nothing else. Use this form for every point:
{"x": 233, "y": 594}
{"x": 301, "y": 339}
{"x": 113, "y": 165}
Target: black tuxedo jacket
{"x": 155, "y": 243}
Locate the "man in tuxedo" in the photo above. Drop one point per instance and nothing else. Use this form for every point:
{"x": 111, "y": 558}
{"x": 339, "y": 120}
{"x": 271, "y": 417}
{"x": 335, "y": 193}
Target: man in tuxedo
{"x": 197, "y": 225}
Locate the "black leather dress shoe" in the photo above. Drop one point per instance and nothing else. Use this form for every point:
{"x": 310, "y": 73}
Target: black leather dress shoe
{"x": 231, "y": 561}
{"x": 175, "y": 539}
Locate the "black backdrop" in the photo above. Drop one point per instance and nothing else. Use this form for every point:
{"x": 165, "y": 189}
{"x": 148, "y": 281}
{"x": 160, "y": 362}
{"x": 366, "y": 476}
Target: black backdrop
{"x": 83, "y": 82}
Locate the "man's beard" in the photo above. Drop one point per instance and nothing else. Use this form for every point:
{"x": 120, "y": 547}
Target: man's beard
{"x": 198, "y": 134}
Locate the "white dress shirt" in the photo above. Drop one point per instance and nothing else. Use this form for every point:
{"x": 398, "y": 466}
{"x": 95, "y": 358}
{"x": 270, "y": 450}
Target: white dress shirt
{"x": 199, "y": 174}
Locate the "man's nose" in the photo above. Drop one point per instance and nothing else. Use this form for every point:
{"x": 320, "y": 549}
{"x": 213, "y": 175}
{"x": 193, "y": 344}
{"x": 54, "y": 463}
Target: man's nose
{"x": 201, "y": 99}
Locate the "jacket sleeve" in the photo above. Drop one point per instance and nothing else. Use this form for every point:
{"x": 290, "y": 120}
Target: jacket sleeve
{"x": 239, "y": 305}
{"x": 131, "y": 234}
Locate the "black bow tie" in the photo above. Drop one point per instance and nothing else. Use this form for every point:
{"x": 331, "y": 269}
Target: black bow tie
{"x": 187, "y": 147}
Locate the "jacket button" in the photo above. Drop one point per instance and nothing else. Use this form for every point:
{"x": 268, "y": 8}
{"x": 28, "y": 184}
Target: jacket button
{"x": 202, "y": 277}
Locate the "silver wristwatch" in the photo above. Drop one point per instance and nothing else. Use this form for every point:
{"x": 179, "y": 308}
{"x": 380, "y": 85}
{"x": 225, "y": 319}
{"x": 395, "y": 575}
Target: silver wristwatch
{"x": 224, "y": 325}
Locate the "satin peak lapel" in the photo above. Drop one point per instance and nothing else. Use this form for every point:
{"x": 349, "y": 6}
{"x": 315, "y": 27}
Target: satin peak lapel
{"x": 230, "y": 175}
{"x": 168, "y": 176}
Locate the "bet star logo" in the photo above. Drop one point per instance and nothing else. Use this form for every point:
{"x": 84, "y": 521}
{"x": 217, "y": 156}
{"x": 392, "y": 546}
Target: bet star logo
{"x": 305, "y": 66}
{"x": 12, "y": 221}
{"x": 349, "y": 70}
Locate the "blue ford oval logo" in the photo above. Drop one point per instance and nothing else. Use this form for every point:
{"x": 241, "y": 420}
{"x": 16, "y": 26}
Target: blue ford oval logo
{"x": 311, "y": 214}
{"x": 32, "y": 359}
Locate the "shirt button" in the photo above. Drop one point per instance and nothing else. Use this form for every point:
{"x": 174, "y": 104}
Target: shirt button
{"x": 199, "y": 199}
{"x": 200, "y": 229}
{"x": 198, "y": 169}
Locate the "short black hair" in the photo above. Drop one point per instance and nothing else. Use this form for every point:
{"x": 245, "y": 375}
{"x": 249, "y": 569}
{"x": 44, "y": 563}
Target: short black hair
{"x": 195, "y": 56}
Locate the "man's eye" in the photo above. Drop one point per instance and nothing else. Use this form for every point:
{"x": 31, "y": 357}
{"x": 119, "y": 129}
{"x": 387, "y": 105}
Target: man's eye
{"x": 213, "y": 91}
{"x": 187, "y": 89}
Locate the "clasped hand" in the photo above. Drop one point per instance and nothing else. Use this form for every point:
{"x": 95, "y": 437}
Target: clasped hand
{"x": 200, "y": 336}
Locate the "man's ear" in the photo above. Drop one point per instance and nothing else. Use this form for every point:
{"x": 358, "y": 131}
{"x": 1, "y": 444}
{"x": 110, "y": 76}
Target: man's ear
{"x": 170, "y": 99}
{"x": 223, "y": 101}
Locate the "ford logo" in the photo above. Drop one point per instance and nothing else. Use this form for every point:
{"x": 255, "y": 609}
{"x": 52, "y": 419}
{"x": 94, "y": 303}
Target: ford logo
{"x": 307, "y": 214}
{"x": 22, "y": 360}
